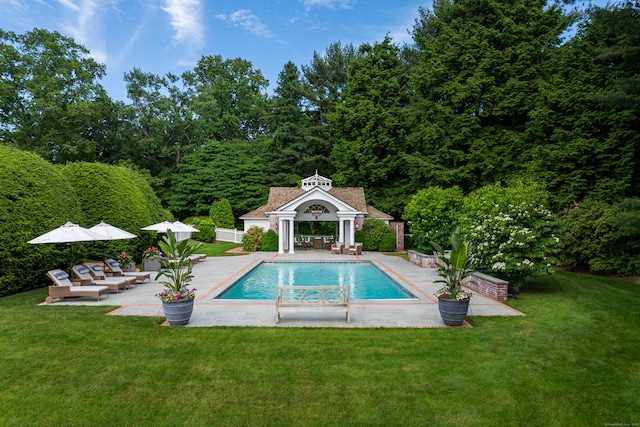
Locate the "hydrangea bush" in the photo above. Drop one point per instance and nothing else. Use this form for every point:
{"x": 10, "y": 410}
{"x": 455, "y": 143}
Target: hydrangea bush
{"x": 515, "y": 236}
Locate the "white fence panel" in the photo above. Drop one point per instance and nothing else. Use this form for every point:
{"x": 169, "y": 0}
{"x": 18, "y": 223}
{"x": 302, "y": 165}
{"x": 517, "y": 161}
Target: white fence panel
{"x": 228, "y": 235}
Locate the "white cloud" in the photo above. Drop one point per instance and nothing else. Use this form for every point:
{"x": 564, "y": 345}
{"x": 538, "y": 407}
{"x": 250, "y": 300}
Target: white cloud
{"x": 245, "y": 19}
{"x": 84, "y": 26}
{"x": 186, "y": 20}
{"x": 331, "y": 4}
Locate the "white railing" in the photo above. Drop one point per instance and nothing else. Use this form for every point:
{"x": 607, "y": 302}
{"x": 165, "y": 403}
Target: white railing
{"x": 228, "y": 235}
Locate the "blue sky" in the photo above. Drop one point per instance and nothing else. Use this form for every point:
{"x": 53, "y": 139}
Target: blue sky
{"x": 161, "y": 36}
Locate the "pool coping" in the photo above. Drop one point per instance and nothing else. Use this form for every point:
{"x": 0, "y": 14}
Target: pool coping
{"x": 217, "y": 273}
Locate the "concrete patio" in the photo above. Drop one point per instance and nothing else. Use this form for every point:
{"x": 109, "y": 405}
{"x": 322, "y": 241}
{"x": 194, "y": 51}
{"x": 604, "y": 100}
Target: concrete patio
{"x": 215, "y": 274}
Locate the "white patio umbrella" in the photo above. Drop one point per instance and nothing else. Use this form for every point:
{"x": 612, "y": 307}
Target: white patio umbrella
{"x": 67, "y": 233}
{"x": 186, "y": 227}
{"x": 111, "y": 232}
{"x": 163, "y": 227}
{"x": 182, "y": 231}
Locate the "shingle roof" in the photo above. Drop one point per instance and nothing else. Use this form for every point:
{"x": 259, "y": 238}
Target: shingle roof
{"x": 279, "y": 196}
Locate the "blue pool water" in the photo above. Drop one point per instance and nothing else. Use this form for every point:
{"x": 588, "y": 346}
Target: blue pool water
{"x": 367, "y": 282}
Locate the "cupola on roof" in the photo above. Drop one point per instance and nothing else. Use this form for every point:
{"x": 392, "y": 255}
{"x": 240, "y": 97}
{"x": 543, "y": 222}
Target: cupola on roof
{"x": 316, "y": 181}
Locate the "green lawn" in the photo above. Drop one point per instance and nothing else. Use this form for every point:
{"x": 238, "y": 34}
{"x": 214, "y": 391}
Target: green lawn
{"x": 219, "y": 249}
{"x": 573, "y": 360}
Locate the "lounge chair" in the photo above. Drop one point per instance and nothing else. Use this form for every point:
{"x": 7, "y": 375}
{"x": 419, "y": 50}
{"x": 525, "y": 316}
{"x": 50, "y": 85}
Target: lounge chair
{"x": 355, "y": 249}
{"x": 336, "y": 248}
{"x": 84, "y": 274}
{"x": 112, "y": 266}
{"x": 63, "y": 287}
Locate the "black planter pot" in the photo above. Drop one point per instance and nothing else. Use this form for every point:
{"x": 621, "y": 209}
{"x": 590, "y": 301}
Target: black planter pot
{"x": 453, "y": 312}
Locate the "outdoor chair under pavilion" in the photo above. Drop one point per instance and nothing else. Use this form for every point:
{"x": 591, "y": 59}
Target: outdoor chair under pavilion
{"x": 63, "y": 288}
{"x": 84, "y": 274}
{"x": 355, "y": 249}
{"x": 112, "y": 266}
{"x": 336, "y": 248}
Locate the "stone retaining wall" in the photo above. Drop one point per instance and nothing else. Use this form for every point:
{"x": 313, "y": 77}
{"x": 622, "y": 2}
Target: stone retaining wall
{"x": 481, "y": 283}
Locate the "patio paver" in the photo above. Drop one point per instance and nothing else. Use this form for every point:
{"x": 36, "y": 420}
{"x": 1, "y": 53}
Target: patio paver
{"x": 216, "y": 273}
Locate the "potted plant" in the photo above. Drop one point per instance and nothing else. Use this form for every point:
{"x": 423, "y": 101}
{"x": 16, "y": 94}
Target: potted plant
{"x": 126, "y": 262}
{"x": 177, "y": 298}
{"x": 453, "y": 301}
{"x": 151, "y": 259}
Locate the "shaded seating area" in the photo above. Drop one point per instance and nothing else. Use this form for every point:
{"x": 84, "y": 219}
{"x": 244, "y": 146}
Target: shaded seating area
{"x": 355, "y": 249}
{"x": 63, "y": 287}
{"x": 92, "y": 273}
{"x": 336, "y": 248}
{"x": 113, "y": 267}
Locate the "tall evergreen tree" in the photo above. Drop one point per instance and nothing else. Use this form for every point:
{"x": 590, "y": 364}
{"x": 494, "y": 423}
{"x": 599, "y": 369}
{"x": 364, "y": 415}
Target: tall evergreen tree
{"x": 323, "y": 83}
{"x": 232, "y": 170}
{"x": 287, "y": 152}
{"x": 482, "y": 63}
{"x": 372, "y": 126}
{"x": 586, "y": 133}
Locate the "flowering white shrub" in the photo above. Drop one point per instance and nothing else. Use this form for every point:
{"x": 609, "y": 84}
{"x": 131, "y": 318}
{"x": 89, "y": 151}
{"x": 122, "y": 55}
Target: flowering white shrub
{"x": 513, "y": 241}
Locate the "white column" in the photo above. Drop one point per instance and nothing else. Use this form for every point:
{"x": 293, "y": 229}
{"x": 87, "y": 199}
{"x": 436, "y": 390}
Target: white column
{"x": 352, "y": 232}
{"x": 341, "y": 236}
{"x": 291, "y": 232}
{"x": 280, "y": 236}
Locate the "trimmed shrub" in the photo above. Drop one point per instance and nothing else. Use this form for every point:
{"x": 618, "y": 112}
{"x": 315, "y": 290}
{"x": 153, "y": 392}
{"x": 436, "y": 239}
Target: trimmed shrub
{"x": 388, "y": 243}
{"x": 359, "y": 236}
{"x": 600, "y": 237}
{"x": 432, "y": 214}
{"x": 269, "y": 241}
{"x": 207, "y": 229}
{"x": 34, "y": 198}
{"x": 222, "y": 214}
{"x": 373, "y": 229}
{"x": 120, "y": 197}
{"x": 251, "y": 238}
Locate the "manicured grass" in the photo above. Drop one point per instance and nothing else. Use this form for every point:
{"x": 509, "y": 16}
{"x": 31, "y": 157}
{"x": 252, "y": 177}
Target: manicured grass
{"x": 573, "y": 360}
{"x": 219, "y": 249}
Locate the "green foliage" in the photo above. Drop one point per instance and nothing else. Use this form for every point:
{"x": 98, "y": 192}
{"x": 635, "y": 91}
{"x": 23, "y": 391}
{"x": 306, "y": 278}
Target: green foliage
{"x": 176, "y": 266}
{"x": 372, "y": 125}
{"x": 584, "y": 136}
{"x": 481, "y": 66}
{"x": 269, "y": 241}
{"x": 251, "y": 238}
{"x": 221, "y": 214}
{"x": 290, "y": 152}
{"x": 374, "y": 230}
{"x": 231, "y": 170}
{"x": 601, "y": 237}
{"x": 454, "y": 267}
{"x": 50, "y": 100}
{"x": 207, "y": 229}
{"x": 34, "y": 198}
{"x": 359, "y": 236}
{"x": 432, "y": 215}
{"x": 388, "y": 243}
{"x": 515, "y": 235}
{"x": 120, "y": 197}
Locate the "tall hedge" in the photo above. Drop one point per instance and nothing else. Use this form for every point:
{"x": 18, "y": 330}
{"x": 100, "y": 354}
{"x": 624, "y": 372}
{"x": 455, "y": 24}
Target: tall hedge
{"x": 34, "y": 199}
{"x": 121, "y": 197}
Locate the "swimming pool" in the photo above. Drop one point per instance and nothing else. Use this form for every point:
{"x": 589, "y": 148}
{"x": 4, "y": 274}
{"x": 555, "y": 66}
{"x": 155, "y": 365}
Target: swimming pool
{"x": 367, "y": 281}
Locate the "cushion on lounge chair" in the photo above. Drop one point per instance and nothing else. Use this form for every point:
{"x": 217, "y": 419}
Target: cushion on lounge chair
{"x": 82, "y": 269}
{"x": 60, "y": 275}
{"x": 113, "y": 262}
